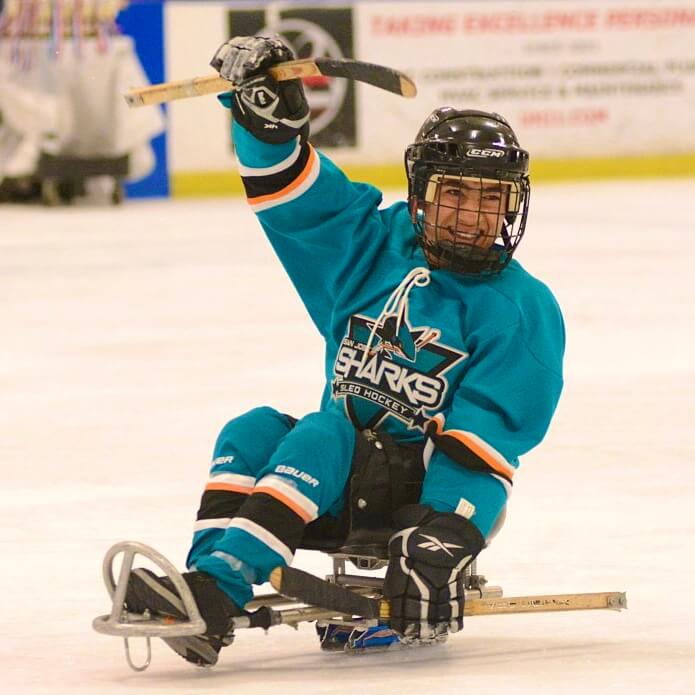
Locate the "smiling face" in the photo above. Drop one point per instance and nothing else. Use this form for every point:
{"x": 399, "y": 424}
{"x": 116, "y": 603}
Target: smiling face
{"x": 464, "y": 212}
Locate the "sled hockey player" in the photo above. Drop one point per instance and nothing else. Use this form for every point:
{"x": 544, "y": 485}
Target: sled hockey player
{"x": 443, "y": 365}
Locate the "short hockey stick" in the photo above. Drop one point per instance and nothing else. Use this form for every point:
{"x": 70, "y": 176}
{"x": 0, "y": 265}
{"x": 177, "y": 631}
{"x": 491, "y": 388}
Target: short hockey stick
{"x": 296, "y": 584}
{"x": 377, "y": 75}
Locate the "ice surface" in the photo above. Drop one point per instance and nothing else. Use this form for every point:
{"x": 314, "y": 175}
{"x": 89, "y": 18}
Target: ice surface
{"x": 129, "y": 336}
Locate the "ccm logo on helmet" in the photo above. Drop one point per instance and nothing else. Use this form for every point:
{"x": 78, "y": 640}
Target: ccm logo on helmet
{"x": 477, "y": 152}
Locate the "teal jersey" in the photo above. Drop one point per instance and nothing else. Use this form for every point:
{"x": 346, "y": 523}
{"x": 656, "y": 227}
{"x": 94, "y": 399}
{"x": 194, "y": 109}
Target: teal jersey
{"x": 473, "y": 366}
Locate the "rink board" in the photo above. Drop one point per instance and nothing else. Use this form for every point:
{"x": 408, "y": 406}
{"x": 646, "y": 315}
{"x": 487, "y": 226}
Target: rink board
{"x": 592, "y": 88}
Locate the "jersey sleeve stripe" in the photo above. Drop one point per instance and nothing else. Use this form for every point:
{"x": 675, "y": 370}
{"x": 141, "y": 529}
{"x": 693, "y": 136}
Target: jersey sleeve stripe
{"x": 260, "y": 185}
{"x": 249, "y": 172}
{"x": 300, "y": 184}
{"x": 470, "y": 450}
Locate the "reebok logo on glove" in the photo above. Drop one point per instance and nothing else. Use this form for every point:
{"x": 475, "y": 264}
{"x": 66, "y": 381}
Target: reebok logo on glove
{"x": 424, "y": 582}
{"x": 435, "y": 545}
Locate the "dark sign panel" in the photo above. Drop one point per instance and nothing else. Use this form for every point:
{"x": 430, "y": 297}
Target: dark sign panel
{"x": 313, "y": 32}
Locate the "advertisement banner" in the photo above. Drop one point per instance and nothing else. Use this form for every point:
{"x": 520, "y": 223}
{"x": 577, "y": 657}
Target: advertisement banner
{"x": 576, "y": 79}
{"x": 610, "y": 83}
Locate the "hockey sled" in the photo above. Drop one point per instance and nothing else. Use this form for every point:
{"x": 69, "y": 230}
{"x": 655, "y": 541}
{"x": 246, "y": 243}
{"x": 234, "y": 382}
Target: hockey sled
{"x": 349, "y": 609}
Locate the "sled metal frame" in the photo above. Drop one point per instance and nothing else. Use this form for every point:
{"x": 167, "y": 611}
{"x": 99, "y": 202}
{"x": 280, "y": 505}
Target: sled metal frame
{"x": 276, "y": 609}
{"x": 123, "y": 624}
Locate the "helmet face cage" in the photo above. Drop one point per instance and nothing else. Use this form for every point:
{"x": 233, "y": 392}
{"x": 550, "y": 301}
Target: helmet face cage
{"x": 469, "y": 214}
{"x": 468, "y": 222}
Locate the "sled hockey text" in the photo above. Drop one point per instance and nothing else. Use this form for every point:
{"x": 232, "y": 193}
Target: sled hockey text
{"x": 418, "y": 389}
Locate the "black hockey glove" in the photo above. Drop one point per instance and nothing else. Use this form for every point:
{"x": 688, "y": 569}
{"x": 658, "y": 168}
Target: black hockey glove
{"x": 272, "y": 111}
{"x": 424, "y": 580}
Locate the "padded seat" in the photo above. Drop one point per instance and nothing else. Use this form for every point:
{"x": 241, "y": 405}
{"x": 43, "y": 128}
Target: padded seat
{"x": 330, "y": 535}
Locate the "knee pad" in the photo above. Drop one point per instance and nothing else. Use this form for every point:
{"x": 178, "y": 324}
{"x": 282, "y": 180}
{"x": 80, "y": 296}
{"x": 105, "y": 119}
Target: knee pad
{"x": 252, "y": 437}
{"x": 324, "y": 439}
{"x": 316, "y": 457}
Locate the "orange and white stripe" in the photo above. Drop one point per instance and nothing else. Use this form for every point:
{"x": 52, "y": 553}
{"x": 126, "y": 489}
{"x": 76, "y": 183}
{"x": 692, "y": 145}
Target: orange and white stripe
{"x": 283, "y": 491}
{"x": 300, "y": 185}
{"x": 231, "y": 482}
{"x": 480, "y": 448}
{"x": 263, "y": 535}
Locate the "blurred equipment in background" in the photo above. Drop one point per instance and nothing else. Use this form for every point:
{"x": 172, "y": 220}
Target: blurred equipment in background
{"x": 64, "y": 129}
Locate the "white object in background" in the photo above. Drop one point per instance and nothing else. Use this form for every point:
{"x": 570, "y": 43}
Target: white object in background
{"x": 73, "y": 106}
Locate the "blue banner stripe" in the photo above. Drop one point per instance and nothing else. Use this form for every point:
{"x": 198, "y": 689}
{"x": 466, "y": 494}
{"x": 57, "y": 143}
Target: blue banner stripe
{"x": 144, "y": 21}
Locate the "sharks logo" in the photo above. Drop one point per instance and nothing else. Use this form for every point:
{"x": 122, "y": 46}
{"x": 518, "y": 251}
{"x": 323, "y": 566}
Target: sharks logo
{"x": 401, "y": 340}
{"x": 388, "y": 368}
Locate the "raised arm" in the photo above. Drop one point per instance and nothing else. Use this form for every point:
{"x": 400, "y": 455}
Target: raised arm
{"x": 323, "y": 227}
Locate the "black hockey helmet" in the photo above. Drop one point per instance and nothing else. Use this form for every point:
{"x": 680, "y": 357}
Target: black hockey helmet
{"x": 468, "y": 190}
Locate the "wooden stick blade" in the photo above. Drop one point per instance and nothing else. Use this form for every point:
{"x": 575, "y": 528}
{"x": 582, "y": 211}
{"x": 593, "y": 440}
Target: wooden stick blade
{"x": 547, "y": 604}
{"x": 377, "y": 75}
